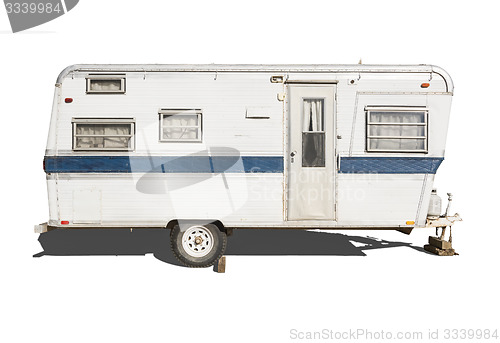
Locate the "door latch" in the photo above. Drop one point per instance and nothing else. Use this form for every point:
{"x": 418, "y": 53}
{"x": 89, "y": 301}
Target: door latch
{"x": 292, "y": 155}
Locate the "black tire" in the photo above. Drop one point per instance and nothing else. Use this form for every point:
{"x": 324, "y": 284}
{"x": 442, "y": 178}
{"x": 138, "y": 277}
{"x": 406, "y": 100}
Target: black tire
{"x": 204, "y": 254}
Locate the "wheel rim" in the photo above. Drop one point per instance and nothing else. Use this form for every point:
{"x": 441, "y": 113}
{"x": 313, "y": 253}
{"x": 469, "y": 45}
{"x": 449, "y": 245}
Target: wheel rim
{"x": 197, "y": 241}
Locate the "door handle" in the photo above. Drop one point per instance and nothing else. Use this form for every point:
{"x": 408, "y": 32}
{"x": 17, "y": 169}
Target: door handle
{"x": 292, "y": 155}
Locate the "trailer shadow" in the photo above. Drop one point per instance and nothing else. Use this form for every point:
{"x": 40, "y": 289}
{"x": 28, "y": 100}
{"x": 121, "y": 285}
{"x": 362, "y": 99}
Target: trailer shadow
{"x": 81, "y": 242}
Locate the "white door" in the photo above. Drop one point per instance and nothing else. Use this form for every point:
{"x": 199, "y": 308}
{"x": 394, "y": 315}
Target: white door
{"x": 311, "y": 153}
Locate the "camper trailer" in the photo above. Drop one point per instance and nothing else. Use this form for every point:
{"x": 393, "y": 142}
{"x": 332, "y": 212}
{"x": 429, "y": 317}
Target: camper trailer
{"x": 204, "y": 149}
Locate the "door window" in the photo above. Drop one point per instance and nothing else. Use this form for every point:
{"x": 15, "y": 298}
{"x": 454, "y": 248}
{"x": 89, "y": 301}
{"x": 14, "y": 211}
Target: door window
{"x": 313, "y": 133}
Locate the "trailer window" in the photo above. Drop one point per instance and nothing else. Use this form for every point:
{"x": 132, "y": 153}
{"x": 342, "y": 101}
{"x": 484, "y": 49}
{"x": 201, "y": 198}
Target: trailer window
{"x": 103, "y": 134}
{"x": 313, "y": 133}
{"x": 106, "y": 84}
{"x": 180, "y": 125}
{"x": 396, "y": 129}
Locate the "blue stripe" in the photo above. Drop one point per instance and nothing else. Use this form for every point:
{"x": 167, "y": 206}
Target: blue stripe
{"x": 163, "y": 164}
{"x": 230, "y": 164}
{"x": 390, "y": 165}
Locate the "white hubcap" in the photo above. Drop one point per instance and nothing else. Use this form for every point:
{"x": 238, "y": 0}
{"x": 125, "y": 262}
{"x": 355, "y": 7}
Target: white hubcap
{"x": 197, "y": 241}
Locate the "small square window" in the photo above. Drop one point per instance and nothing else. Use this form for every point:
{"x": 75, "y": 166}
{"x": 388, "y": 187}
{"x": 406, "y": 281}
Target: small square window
{"x": 180, "y": 125}
{"x": 103, "y": 134}
{"x": 106, "y": 84}
{"x": 396, "y": 129}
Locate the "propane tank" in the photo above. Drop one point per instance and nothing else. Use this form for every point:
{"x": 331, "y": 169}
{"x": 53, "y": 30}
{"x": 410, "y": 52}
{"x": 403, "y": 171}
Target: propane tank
{"x": 434, "y": 205}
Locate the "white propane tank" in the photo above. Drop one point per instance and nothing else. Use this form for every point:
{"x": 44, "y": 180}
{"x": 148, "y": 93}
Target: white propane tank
{"x": 434, "y": 205}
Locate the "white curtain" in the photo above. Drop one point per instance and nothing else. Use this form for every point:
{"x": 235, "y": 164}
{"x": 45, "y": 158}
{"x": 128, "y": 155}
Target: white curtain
{"x": 180, "y": 126}
{"x": 313, "y": 142}
{"x": 397, "y": 144}
{"x": 397, "y": 117}
{"x": 397, "y": 129}
{"x": 180, "y": 133}
{"x": 313, "y": 115}
{"x": 105, "y": 85}
{"x": 101, "y": 130}
{"x": 175, "y": 120}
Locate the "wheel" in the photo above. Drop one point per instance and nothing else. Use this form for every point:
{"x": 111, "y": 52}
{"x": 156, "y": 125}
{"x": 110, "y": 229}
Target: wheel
{"x": 198, "y": 245}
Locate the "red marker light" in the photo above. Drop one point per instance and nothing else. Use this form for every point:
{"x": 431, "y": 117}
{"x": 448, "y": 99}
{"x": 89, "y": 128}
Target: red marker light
{"x": 64, "y": 222}
{"x": 68, "y": 100}
{"x": 425, "y": 85}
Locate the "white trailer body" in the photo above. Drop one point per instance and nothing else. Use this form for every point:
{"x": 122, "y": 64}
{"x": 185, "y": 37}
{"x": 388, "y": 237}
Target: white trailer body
{"x": 246, "y": 146}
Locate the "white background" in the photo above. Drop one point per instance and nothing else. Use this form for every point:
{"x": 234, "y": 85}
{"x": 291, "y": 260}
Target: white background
{"x": 259, "y": 298}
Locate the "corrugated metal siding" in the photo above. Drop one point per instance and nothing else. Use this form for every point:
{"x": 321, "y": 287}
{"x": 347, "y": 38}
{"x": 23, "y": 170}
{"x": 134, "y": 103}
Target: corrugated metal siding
{"x": 245, "y": 199}
{"x": 155, "y": 199}
{"x": 223, "y": 102}
{"x": 378, "y": 198}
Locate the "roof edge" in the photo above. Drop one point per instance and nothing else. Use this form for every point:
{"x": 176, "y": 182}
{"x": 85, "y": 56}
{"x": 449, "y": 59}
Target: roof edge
{"x": 369, "y": 68}
{"x": 446, "y": 77}
{"x": 65, "y": 72}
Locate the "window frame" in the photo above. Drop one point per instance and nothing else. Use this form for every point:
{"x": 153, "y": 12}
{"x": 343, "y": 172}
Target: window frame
{"x": 170, "y": 111}
{"x": 90, "y": 78}
{"x": 101, "y": 121}
{"x": 408, "y": 109}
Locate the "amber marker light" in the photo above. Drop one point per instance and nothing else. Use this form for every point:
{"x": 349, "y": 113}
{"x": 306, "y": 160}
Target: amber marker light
{"x": 425, "y": 85}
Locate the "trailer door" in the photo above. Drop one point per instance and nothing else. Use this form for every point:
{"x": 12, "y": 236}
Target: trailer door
{"x": 311, "y": 152}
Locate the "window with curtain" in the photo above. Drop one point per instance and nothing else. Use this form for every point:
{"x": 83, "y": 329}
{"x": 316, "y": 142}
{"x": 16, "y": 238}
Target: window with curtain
{"x": 180, "y": 125}
{"x": 103, "y": 134}
{"x": 106, "y": 84}
{"x": 396, "y": 129}
{"x": 313, "y": 133}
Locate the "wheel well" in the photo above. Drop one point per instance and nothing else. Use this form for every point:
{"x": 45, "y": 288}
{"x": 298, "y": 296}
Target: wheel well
{"x": 217, "y": 223}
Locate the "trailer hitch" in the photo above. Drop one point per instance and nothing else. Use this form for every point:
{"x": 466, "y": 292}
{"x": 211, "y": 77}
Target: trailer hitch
{"x": 438, "y": 245}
